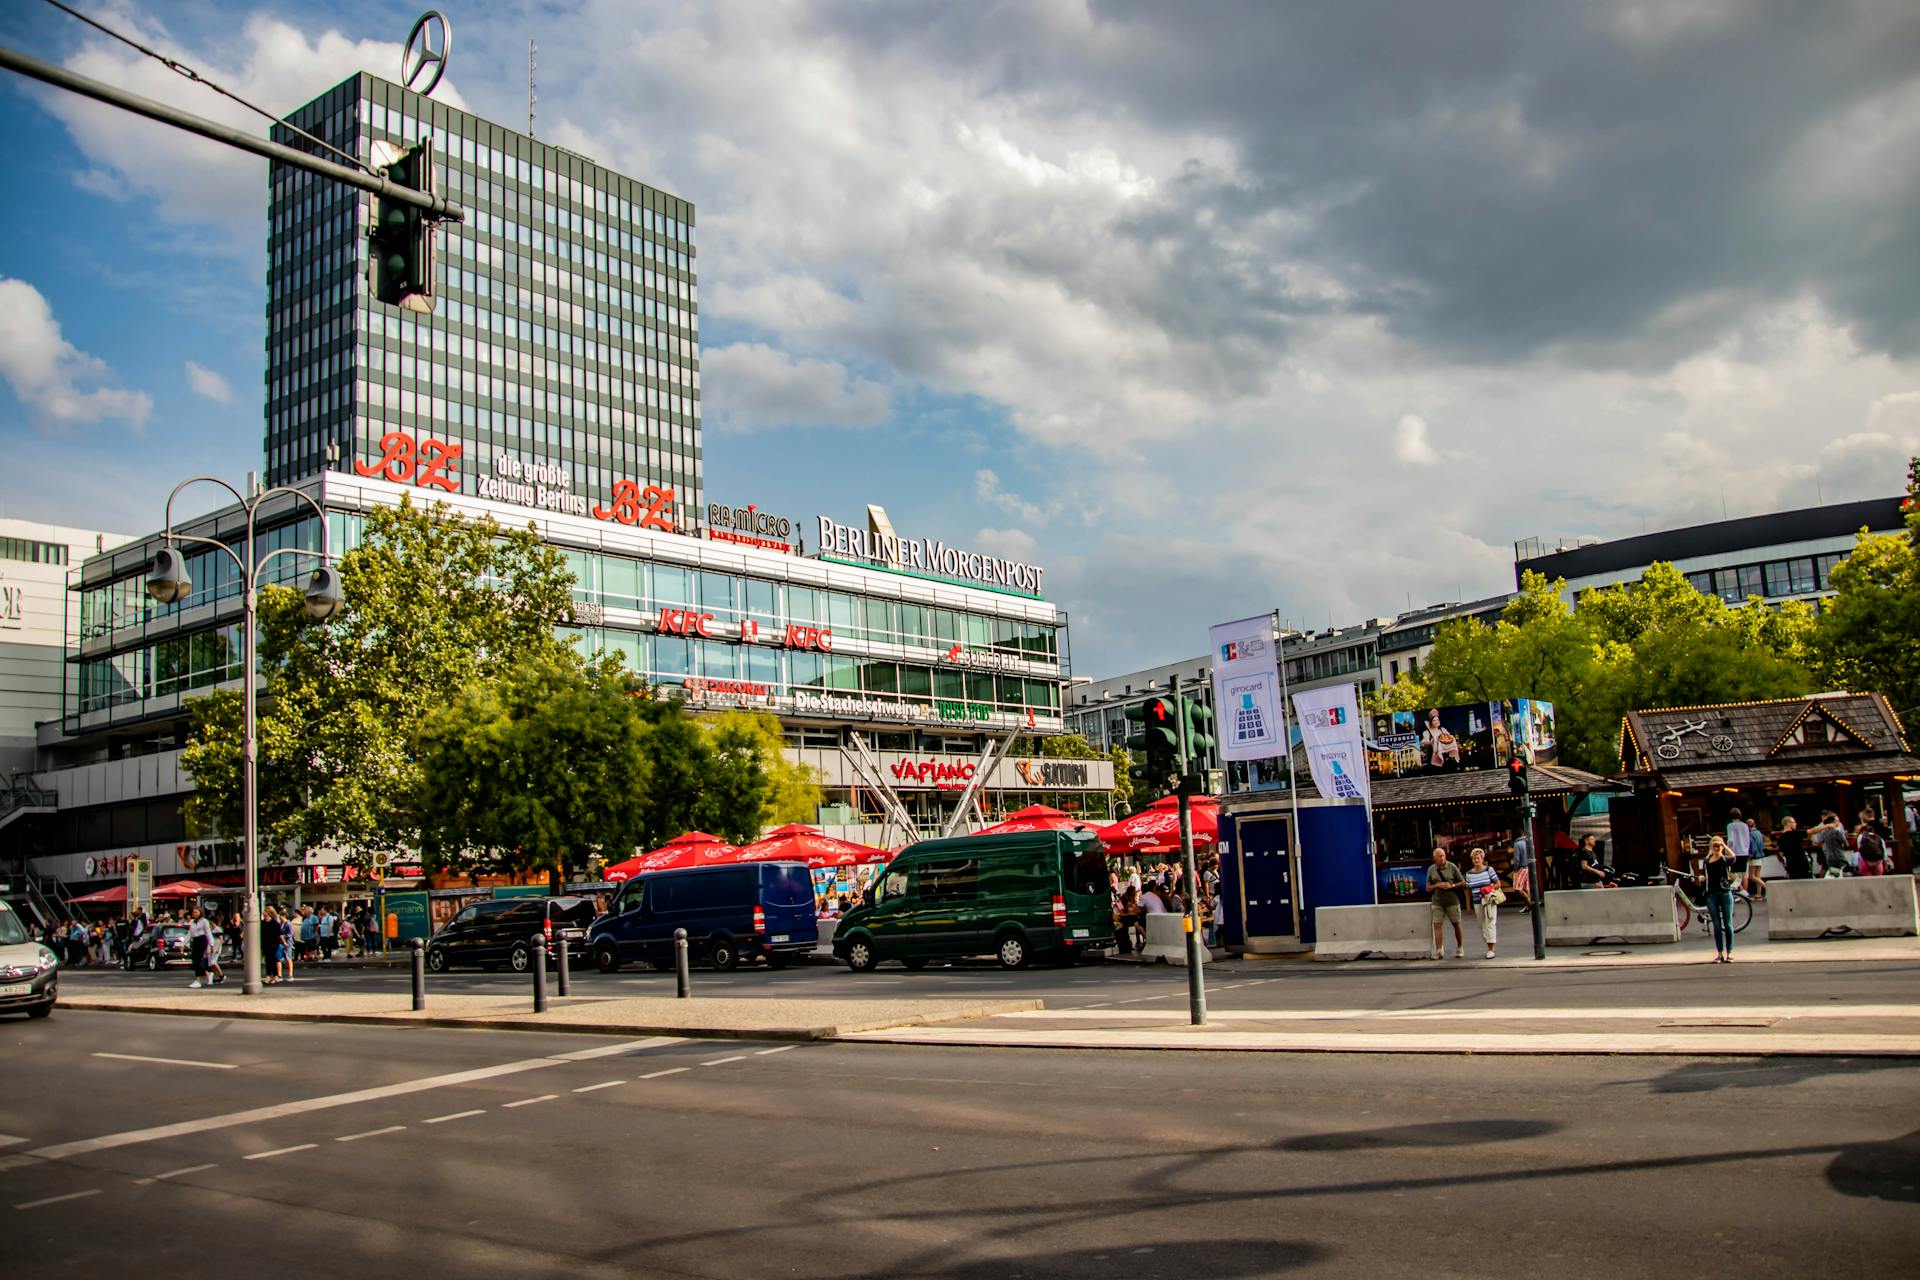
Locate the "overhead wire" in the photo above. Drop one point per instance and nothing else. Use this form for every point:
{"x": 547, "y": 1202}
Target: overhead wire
{"x": 182, "y": 69}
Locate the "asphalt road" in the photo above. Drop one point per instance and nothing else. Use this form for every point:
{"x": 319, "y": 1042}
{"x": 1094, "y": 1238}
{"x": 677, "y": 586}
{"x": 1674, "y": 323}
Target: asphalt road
{"x": 1239, "y": 985}
{"x": 326, "y": 1151}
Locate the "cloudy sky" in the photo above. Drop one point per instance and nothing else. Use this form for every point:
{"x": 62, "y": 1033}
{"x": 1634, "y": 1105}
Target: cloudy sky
{"x": 1208, "y": 308}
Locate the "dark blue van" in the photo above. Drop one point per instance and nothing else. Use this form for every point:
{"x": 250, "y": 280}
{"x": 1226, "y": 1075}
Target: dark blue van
{"x": 730, "y": 913}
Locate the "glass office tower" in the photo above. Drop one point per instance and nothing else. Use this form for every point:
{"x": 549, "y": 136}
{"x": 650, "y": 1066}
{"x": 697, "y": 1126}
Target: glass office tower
{"x": 565, "y": 331}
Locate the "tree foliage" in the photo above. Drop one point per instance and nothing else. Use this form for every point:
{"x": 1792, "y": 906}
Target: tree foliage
{"x": 537, "y": 769}
{"x": 1868, "y": 636}
{"x": 434, "y": 602}
{"x": 754, "y": 786}
{"x": 1653, "y": 643}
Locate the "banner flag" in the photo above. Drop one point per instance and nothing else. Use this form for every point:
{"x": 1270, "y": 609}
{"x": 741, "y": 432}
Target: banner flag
{"x": 1330, "y": 727}
{"x": 1250, "y": 723}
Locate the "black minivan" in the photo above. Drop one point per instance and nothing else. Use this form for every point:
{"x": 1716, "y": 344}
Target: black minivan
{"x": 500, "y": 931}
{"x": 730, "y": 913}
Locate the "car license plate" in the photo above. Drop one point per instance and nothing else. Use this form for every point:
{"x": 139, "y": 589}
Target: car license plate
{"x": 781, "y": 937}
{"x": 573, "y": 933}
{"x": 17, "y": 989}
{"x": 1079, "y": 933}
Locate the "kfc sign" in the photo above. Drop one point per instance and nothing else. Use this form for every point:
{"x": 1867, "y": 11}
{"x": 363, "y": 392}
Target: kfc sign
{"x": 800, "y": 636}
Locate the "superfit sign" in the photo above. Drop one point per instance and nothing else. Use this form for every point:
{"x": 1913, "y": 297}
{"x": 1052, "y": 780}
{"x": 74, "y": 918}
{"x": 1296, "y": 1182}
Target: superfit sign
{"x": 928, "y": 555}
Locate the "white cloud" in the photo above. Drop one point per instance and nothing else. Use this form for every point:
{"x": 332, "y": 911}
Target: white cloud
{"x": 48, "y": 374}
{"x": 208, "y": 383}
{"x": 191, "y": 180}
{"x": 1410, "y": 442}
{"x": 749, "y": 386}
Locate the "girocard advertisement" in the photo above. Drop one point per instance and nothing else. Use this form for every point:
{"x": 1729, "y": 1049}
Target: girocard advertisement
{"x": 1246, "y": 690}
{"x": 1336, "y": 753}
{"x": 1477, "y": 735}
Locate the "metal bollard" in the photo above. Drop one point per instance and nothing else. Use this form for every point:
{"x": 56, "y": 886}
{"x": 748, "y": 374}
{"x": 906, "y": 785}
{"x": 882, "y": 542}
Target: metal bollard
{"x": 562, "y": 975}
{"x": 681, "y": 976}
{"x": 419, "y": 974}
{"x": 539, "y": 973}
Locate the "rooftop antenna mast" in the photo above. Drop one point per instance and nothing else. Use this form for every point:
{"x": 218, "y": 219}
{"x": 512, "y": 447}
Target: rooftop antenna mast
{"x": 532, "y": 97}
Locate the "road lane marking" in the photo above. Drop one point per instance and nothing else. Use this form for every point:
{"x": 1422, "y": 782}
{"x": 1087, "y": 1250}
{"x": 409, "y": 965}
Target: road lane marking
{"x": 279, "y": 1151}
{"x": 527, "y": 1102}
{"x": 8, "y": 1140}
{"x": 456, "y": 1115}
{"x": 278, "y": 1111}
{"x": 761, "y": 1053}
{"x": 169, "y": 1062}
{"x": 371, "y": 1133}
{"x": 608, "y": 1050}
{"x": 174, "y": 1173}
{"x": 670, "y": 1071}
{"x": 71, "y": 1195}
{"x": 721, "y": 1062}
{"x": 604, "y": 1084}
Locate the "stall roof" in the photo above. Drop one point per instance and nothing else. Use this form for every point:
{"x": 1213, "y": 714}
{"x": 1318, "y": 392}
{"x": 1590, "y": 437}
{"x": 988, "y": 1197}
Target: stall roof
{"x": 1826, "y": 735}
{"x": 1476, "y": 785}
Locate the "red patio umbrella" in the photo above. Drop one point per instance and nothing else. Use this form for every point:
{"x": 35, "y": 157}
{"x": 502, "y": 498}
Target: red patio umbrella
{"x": 118, "y": 893}
{"x": 1156, "y": 828}
{"x": 1037, "y": 817}
{"x": 190, "y": 889}
{"x": 798, "y": 843}
{"x": 692, "y": 849}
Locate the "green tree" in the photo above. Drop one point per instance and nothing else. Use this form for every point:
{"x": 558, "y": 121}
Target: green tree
{"x": 538, "y": 769}
{"x": 1868, "y": 635}
{"x": 752, "y": 786}
{"x": 434, "y": 602}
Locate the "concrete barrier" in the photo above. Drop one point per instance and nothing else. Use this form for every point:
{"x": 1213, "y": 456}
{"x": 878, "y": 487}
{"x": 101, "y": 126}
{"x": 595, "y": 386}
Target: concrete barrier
{"x": 1397, "y": 931}
{"x": 1858, "y": 906}
{"x": 1167, "y": 941}
{"x": 1579, "y": 917}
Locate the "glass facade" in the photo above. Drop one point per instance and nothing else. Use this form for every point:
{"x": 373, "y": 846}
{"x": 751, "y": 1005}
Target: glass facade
{"x": 565, "y": 330}
{"x": 1772, "y": 580}
{"x": 883, "y": 647}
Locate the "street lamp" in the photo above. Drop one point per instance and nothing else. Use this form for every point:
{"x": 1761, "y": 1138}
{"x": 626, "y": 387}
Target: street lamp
{"x": 168, "y": 582}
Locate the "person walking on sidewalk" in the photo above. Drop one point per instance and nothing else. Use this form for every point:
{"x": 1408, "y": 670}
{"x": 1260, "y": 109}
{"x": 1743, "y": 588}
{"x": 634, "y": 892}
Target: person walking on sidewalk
{"x": 1719, "y": 869}
{"x": 199, "y": 946}
{"x": 1483, "y": 888}
{"x": 1444, "y": 885}
{"x": 1793, "y": 849}
{"x": 1523, "y": 867}
{"x": 328, "y": 923}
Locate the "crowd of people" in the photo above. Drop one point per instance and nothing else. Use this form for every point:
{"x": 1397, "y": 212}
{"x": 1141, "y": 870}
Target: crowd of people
{"x": 305, "y": 934}
{"x": 1142, "y": 891}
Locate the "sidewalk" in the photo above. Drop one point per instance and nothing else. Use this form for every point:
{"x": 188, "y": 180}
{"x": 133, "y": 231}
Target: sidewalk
{"x": 733, "y": 1018}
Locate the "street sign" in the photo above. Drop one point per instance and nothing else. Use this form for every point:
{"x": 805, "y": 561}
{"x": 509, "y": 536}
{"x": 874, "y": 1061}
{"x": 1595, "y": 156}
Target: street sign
{"x": 139, "y": 886}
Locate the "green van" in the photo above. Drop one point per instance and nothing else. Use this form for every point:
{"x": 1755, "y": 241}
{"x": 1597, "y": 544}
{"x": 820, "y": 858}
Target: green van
{"x": 1014, "y": 897}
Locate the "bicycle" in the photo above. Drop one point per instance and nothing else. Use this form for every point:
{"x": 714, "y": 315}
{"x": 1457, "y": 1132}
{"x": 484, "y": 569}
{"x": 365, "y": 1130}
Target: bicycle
{"x": 1686, "y": 909}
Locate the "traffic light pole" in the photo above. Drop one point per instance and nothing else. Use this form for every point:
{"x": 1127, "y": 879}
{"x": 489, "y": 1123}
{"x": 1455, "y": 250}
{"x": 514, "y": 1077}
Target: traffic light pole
{"x": 439, "y": 207}
{"x": 1196, "y": 973}
{"x": 1539, "y": 908}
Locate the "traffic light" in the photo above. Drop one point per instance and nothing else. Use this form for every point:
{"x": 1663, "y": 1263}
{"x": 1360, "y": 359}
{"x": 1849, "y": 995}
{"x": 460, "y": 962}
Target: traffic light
{"x": 1199, "y": 721}
{"x": 402, "y": 235}
{"x": 1156, "y": 744}
{"x": 1517, "y": 780}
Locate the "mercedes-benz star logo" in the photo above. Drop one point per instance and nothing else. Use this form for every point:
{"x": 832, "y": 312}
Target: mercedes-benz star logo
{"x": 423, "y": 51}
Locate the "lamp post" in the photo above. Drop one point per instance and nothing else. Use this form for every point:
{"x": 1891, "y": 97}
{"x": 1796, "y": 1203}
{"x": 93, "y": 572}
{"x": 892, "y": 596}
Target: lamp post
{"x": 169, "y": 583}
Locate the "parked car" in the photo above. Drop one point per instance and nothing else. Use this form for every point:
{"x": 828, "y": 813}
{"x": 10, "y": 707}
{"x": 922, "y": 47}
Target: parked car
{"x": 730, "y": 913}
{"x": 1013, "y": 896}
{"x": 29, "y": 972}
{"x": 160, "y": 946}
{"x": 500, "y": 932}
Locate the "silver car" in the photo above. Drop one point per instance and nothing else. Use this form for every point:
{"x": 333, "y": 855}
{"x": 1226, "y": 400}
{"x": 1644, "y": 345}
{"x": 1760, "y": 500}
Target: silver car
{"x": 29, "y": 973}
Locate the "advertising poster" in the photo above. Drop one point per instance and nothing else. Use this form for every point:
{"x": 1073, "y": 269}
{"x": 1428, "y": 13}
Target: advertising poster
{"x": 1246, "y": 690}
{"x": 1336, "y": 752}
{"x": 407, "y": 910}
{"x": 1459, "y": 739}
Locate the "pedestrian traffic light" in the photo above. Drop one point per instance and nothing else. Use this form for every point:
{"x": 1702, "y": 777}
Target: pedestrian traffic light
{"x": 1199, "y": 722}
{"x": 402, "y": 235}
{"x": 1517, "y": 780}
{"x": 1156, "y": 744}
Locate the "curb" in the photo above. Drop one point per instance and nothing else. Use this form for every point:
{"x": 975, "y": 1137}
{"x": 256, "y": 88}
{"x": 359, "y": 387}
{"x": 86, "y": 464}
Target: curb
{"x": 1383, "y": 1045}
{"x": 484, "y": 1023}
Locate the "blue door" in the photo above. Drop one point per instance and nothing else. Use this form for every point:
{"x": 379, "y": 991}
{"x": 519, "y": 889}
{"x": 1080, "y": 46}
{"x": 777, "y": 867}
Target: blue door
{"x": 1263, "y": 864}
